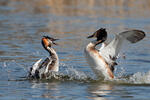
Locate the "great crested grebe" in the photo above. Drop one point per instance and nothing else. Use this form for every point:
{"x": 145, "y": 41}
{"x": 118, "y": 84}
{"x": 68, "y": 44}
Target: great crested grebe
{"x": 50, "y": 64}
{"x": 102, "y": 61}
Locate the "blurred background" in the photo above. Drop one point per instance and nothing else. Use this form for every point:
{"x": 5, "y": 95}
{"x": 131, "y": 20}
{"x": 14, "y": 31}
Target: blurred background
{"x": 24, "y": 22}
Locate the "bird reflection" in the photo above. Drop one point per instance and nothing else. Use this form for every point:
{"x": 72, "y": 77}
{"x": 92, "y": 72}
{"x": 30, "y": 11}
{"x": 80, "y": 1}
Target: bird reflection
{"x": 100, "y": 91}
{"x": 51, "y": 89}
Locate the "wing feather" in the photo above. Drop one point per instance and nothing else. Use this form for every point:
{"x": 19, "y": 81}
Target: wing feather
{"x": 114, "y": 47}
{"x": 35, "y": 66}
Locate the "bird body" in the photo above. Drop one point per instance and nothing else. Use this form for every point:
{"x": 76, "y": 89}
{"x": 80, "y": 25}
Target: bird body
{"x": 102, "y": 61}
{"x": 50, "y": 64}
{"x": 97, "y": 62}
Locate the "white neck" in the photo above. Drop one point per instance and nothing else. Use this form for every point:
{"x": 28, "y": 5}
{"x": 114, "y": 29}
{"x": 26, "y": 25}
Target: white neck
{"x": 54, "y": 57}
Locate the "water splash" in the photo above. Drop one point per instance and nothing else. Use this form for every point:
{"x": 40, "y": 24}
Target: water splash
{"x": 140, "y": 78}
{"x": 74, "y": 74}
{"x": 11, "y": 70}
{"x": 119, "y": 73}
{"x": 68, "y": 72}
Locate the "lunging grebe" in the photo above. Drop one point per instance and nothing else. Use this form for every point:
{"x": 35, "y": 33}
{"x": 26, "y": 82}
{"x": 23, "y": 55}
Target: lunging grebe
{"x": 102, "y": 61}
{"x": 50, "y": 64}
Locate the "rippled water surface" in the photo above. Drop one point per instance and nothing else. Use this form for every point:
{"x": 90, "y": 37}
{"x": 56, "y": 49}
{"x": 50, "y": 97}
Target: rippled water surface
{"x": 24, "y": 22}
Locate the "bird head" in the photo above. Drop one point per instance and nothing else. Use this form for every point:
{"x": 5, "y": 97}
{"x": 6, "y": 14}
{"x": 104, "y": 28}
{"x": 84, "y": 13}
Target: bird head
{"x": 48, "y": 41}
{"x": 100, "y": 35}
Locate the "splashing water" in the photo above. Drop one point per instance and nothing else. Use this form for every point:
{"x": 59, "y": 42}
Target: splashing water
{"x": 70, "y": 73}
{"x": 120, "y": 73}
{"x": 136, "y": 78}
{"x": 75, "y": 74}
{"x": 67, "y": 73}
{"x": 140, "y": 78}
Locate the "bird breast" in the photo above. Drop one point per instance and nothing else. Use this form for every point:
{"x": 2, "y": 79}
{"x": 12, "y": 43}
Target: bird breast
{"x": 97, "y": 63}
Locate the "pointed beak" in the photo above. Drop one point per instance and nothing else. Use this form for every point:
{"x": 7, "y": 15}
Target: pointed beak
{"x": 55, "y": 43}
{"x": 91, "y": 36}
{"x": 54, "y": 40}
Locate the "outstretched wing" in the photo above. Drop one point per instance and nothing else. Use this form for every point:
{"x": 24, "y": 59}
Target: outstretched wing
{"x": 35, "y": 67}
{"x": 40, "y": 68}
{"x": 113, "y": 48}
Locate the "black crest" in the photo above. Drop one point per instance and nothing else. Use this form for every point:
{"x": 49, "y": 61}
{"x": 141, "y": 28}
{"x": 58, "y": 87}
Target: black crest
{"x": 52, "y": 39}
{"x": 100, "y": 34}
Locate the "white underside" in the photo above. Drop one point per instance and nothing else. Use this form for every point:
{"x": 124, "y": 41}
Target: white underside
{"x": 97, "y": 65}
